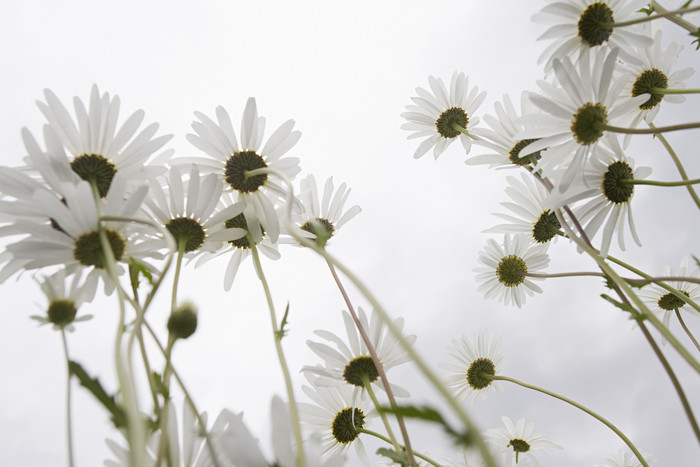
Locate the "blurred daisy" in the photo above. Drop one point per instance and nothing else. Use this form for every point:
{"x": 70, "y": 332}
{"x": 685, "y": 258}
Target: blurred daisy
{"x": 353, "y": 364}
{"x": 504, "y": 265}
{"x": 65, "y": 298}
{"x": 232, "y": 162}
{"x": 465, "y": 376}
{"x": 533, "y": 215}
{"x": 517, "y": 442}
{"x": 578, "y": 25}
{"x": 664, "y": 303}
{"x": 441, "y": 117}
{"x": 608, "y": 197}
{"x": 99, "y": 149}
{"x": 623, "y": 458}
{"x": 320, "y": 219}
{"x": 575, "y": 111}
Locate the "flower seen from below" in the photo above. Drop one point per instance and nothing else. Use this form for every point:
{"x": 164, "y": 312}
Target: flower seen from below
{"x": 664, "y": 303}
{"x": 65, "y": 298}
{"x": 517, "y": 442}
{"x": 624, "y": 458}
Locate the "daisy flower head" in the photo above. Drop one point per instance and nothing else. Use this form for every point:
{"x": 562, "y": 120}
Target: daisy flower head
{"x": 350, "y": 363}
{"x": 576, "y": 110}
{"x": 664, "y": 303}
{"x": 442, "y": 117}
{"x": 98, "y": 148}
{"x": 531, "y": 213}
{"x": 247, "y": 169}
{"x": 624, "y": 458}
{"x": 517, "y": 441}
{"x": 579, "y": 25}
{"x": 470, "y": 362}
{"x": 608, "y": 197}
{"x": 320, "y": 218}
{"x": 502, "y": 275}
{"x": 65, "y": 294}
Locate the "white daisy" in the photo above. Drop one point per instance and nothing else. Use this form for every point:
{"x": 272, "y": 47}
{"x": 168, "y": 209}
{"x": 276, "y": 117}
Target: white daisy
{"x": 624, "y": 458}
{"x": 576, "y": 26}
{"x": 608, "y": 198}
{"x": 533, "y": 215}
{"x": 471, "y": 361}
{"x": 64, "y": 299}
{"x": 352, "y": 364}
{"x": 441, "y": 118}
{"x": 664, "y": 303}
{"x": 231, "y": 162}
{"x": 576, "y": 109}
{"x": 99, "y": 149}
{"x": 517, "y": 442}
{"x": 502, "y": 277}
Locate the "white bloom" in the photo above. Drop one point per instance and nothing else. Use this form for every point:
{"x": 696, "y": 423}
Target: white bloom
{"x": 517, "y": 442}
{"x": 624, "y": 458}
{"x": 64, "y": 300}
{"x": 664, "y": 303}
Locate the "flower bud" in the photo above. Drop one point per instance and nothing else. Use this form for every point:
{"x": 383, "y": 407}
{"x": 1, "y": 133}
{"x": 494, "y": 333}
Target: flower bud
{"x": 183, "y": 321}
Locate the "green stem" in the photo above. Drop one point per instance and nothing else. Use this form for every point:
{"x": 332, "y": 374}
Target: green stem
{"x": 293, "y": 408}
{"x": 651, "y": 131}
{"x": 69, "y": 418}
{"x": 464, "y": 131}
{"x": 164, "y": 445}
{"x": 176, "y": 279}
{"x": 387, "y": 440}
{"x": 685, "y": 328}
{"x": 658, "y": 183}
{"x": 389, "y": 431}
{"x": 674, "y": 91}
{"x": 578, "y": 406}
{"x": 687, "y": 25}
{"x": 664, "y": 14}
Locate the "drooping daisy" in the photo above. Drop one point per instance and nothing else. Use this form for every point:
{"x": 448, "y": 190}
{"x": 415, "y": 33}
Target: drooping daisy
{"x": 502, "y": 276}
{"x": 441, "y": 117}
{"x": 608, "y": 197}
{"x": 533, "y": 215}
{"x": 664, "y": 303}
{"x": 99, "y": 150}
{"x": 350, "y": 362}
{"x": 336, "y": 418}
{"x": 321, "y": 219}
{"x": 231, "y": 162}
{"x": 64, "y": 299}
{"x": 578, "y": 25}
{"x": 624, "y": 458}
{"x": 517, "y": 442}
{"x": 575, "y": 112}
{"x": 465, "y": 376}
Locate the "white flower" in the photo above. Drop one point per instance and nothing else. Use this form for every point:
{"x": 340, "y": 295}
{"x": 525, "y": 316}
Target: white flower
{"x": 517, "y": 442}
{"x": 608, "y": 198}
{"x": 351, "y": 363}
{"x": 441, "y": 118}
{"x": 64, "y": 300}
{"x": 625, "y": 458}
{"x": 231, "y": 162}
{"x": 502, "y": 277}
{"x": 533, "y": 215}
{"x": 484, "y": 356}
{"x": 576, "y": 110}
{"x": 576, "y": 27}
{"x": 664, "y": 303}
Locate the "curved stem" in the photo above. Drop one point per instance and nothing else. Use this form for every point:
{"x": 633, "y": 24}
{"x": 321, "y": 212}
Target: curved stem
{"x": 578, "y": 406}
{"x": 651, "y": 131}
{"x": 382, "y": 415}
{"x": 293, "y": 408}
{"x": 664, "y": 14}
{"x": 687, "y": 25}
{"x": 164, "y": 445}
{"x": 685, "y": 328}
{"x": 69, "y": 418}
{"x": 658, "y": 183}
{"x": 387, "y": 440}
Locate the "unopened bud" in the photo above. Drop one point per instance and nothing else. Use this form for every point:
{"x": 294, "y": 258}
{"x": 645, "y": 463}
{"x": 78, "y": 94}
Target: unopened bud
{"x": 183, "y": 321}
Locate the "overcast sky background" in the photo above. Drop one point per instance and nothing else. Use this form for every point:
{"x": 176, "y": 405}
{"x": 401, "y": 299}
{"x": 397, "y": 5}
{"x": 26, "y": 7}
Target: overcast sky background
{"x": 344, "y": 73}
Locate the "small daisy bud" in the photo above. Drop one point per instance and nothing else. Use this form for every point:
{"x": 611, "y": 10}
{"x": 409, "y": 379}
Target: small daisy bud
{"x": 183, "y": 321}
{"x": 322, "y": 228}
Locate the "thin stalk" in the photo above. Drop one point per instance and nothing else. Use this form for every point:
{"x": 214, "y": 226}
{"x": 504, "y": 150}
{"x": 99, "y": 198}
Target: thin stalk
{"x": 687, "y": 25}
{"x": 69, "y": 418}
{"x": 164, "y": 445}
{"x": 694, "y": 181}
{"x": 674, "y": 91}
{"x": 585, "y": 409}
{"x": 382, "y": 415}
{"x": 685, "y": 328}
{"x": 665, "y": 14}
{"x": 176, "y": 279}
{"x": 387, "y": 440}
{"x": 651, "y": 131}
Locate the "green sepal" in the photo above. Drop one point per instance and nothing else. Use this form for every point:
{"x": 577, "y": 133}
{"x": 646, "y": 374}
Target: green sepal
{"x": 282, "y": 331}
{"x": 136, "y": 269}
{"x": 398, "y": 457}
{"x": 93, "y": 385}
{"x": 431, "y": 415}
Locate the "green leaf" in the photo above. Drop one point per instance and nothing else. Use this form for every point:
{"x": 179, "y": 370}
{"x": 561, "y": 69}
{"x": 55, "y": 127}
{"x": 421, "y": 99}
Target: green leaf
{"x": 624, "y": 307}
{"x": 398, "y": 457}
{"x": 93, "y": 385}
{"x": 158, "y": 385}
{"x": 136, "y": 269}
{"x": 282, "y": 331}
{"x": 431, "y": 415}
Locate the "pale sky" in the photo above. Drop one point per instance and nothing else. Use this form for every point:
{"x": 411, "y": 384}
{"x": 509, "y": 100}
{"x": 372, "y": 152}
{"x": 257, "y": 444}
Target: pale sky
{"x": 344, "y": 73}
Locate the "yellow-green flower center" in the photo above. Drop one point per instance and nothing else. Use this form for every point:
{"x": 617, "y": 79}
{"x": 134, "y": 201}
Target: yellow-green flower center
{"x": 236, "y": 167}
{"x": 546, "y": 227}
{"x": 187, "y": 232}
{"x": 613, "y": 188}
{"x": 95, "y": 169}
{"x": 510, "y": 271}
{"x": 594, "y": 24}
{"x": 62, "y": 312}
{"x": 475, "y": 373}
{"x": 87, "y": 249}
{"x": 359, "y": 369}
{"x": 448, "y": 119}
{"x": 648, "y": 80}
{"x": 589, "y": 122}
{"x": 346, "y": 423}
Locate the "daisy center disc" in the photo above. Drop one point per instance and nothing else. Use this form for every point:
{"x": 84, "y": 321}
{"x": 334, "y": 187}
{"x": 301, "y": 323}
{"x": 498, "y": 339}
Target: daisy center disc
{"x": 96, "y": 170}
{"x": 322, "y": 228}
{"x": 187, "y": 232}
{"x": 593, "y": 25}
{"x": 240, "y": 222}
{"x": 510, "y": 271}
{"x": 613, "y": 189}
{"x": 514, "y": 153}
{"x": 88, "y": 249}
{"x": 587, "y": 125}
{"x": 346, "y": 423}
{"x": 519, "y": 445}
{"x": 546, "y": 227}
{"x": 450, "y": 118}
{"x": 62, "y": 312}
{"x": 359, "y": 369}
{"x": 475, "y": 377}
{"x": 236, "y": 167}
{"x": 648, "y": 80}
{"x": 670, "y": 302}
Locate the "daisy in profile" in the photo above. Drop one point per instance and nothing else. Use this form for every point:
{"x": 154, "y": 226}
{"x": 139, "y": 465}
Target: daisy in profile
{"x": 98, "y": 148}
{"x": 64, "y": 298}
{"x": 470, "y": 361}
{"x": 233, "y": 162}
{"x": 532, "y": 214}
{"x": 578, "y": 25}
{"x": 517, "y": 441}
{"x": 607, "y": 197}
{"x": 320, "y": 218}
{"x": 350, "y": 361}
{"x": 504, "y": 265}
{"x": 623, "y": 458}
{"x": 442, "y": 117}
